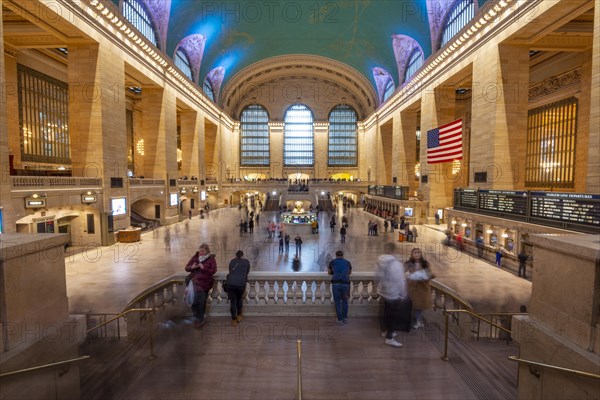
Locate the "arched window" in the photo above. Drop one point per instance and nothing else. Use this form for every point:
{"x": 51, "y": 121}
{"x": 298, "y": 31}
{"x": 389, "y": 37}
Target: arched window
{"x": 254, "y": 136}
{"x": 208, "y": 90}
{"x": 414, "y": 63}
{"x": 135, "y": 12}
{"x": 298, "y": 136}
{"x": 462, "y": 12}
{"x": 183, "y": 63}
{"x": 343, "y": 138}
{"x": 389, "y": 89}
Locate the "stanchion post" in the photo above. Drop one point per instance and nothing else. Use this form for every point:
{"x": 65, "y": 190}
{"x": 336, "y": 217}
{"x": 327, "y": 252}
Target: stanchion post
{"x": 299, "y": 383}
{"x": 446, "y": 323}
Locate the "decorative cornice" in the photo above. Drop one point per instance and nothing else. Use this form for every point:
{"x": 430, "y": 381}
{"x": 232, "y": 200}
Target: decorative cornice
{"x": 10, "y": 50}
{"x": 555, "y": 83}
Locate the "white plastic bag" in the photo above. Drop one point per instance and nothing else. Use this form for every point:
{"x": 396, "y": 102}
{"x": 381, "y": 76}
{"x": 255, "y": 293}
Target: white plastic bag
{"x": 188, "y": 294}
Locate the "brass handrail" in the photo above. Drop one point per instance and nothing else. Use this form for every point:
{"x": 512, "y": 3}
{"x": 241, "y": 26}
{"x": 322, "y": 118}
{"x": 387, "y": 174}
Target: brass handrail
{"x": 471, "y": 313}
{"x": 299, "y": 382}
{"x": 451, "y": 293}
{"x": 124, "y": 313}
{"x": 555, "y": 367}
{"x": 54, "y": 364}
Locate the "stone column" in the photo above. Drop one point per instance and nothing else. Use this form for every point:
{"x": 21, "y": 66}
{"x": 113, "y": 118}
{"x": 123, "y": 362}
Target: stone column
{"x": 189, "y": 143}
{"x": 97, "y": 117}
{"x": 384, "y": 153}
{"x": 405, "y": 147}
{"x": 593, "y": 165}
{"x": 276, "y": 134}
{"x": 8, "y": 217}
{"x": 321, "y": 149}
{"x": 499, "y": 109}
{"x": 160, "y": 141}
{"x": 437, "y": 109}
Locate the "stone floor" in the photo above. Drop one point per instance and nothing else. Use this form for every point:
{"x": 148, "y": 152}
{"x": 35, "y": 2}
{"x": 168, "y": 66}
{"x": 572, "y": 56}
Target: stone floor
{"x": 105, "y": 279}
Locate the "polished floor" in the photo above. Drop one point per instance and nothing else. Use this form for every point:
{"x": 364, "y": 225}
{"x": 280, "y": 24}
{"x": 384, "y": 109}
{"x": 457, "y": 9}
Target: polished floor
{"x": 105, "y": 279}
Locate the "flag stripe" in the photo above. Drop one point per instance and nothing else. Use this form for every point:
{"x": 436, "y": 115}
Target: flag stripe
{"x": 445, "y": 143}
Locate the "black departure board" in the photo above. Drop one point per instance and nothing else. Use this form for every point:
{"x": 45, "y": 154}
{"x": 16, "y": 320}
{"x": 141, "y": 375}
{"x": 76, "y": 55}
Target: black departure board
{"x": 468, "y": 198}
{"x": 503, "y": 202}
{"x": 567, "y": 207}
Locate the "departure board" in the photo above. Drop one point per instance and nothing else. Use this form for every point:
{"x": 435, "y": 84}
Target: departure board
{"x": 567, "y": 207}
{"x": 503, "y": 202}
{"x": 468, "y": 198}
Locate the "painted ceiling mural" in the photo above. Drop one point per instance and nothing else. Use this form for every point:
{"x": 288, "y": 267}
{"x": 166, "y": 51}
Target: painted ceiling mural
{"x": 362, "y": 34}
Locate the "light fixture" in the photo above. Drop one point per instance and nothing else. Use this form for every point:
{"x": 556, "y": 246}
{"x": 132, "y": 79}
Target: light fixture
{"x": 505, "y": 235}
{"x": 455, "y": 167}
{"x": 464, "y": 225}
{"x": 453, "y": 222}
{"x": 489, "y": 230}
{"x": 140, "y": 147}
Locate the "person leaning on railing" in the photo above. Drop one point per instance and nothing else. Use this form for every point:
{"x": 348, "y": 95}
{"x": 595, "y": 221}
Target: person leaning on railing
{"x": 202, "y": 266}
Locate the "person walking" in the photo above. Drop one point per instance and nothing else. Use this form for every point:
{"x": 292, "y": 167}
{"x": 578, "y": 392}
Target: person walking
{"x": 343, "y": 234}
{"x": 340, "y": 270}
{"x": 236, "y": 281}
{"x": 419, "y": 289}
{"x": 202, "y": 266}
{"x": 498, "y": 249}
{"x": 298, "y": 242}
{"x": 415, "y": 233}
{"x": 391, "y": 285}
{"x": 523, "y": 263}
{"x": 281, "y": 241}
{"x": 286, "y": 239}
{"x": 479, "y": 244}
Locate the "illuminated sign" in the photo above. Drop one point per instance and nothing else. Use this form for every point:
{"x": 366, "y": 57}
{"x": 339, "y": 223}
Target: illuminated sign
{"x": 173, "y": 199}
{"x": 118, "y": 206}
{"x": 87, "y": 198}
{"x": 31, "y": 202}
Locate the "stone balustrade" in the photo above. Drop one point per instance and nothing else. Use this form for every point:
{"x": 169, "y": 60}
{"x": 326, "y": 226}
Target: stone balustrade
{"x": 42, "y": 182}
{"x": 146, "y": 182}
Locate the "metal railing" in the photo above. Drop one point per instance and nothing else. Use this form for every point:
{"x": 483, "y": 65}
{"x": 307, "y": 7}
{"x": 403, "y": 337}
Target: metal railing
{"x": 537, "y": 373}
{"x": 123, "y": 314}
{"x": 61, "y": 372}
{"x": 472, "y": 314}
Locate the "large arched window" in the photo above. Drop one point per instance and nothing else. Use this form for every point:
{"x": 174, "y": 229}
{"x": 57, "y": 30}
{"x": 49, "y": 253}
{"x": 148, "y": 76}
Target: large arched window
{"x": 343, "y": 139}
{"x": 208, "y": 90}
{"x": 183, "y": 63}
{"x": 135, "y": 12}
{"x": 254, "y": 136}
{"x": 389, "y": 89}
{"x": 414, "y": 63}
{"x": 298, "y": 137}
{"x": 462, "y": 12}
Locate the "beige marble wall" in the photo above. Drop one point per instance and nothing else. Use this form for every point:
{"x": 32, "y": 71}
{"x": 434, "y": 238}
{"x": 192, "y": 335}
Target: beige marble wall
{"x": 405, "y": 147}
{"x": 384, "y": 140}
{"x": 593, "y": 166}
{"x": 321, "y": 130}
{"x": 276, "y": 134}
{"x": 8, "y": 224}
{"x": 563, "y": 316}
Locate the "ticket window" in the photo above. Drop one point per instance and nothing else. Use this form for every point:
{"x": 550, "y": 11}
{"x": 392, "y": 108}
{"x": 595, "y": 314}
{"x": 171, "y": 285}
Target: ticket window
{"x": 45, "y": 227}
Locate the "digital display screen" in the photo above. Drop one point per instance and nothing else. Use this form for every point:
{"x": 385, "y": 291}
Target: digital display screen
{"x": 118, "y": 206}
{"x": 173, "y": 200}
{"x": 408, "y": 212}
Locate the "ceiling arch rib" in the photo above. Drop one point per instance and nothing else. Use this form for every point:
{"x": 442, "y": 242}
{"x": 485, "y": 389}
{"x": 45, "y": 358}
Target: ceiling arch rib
{"x": 403, "y": 48}
{"x": 193, "y": 45}
{"x": 319, "y": 81}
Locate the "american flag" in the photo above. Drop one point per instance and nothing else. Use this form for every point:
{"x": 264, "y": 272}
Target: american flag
{"x": 445, "y": 143}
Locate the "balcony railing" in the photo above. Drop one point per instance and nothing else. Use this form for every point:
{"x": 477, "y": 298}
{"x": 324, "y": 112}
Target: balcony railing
{"x": 146, "y": 182}
{"x": 47, "y": 182}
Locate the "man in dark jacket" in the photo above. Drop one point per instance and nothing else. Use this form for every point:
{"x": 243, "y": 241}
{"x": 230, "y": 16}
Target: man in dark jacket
{"x": 236, "y": 285}
{"x": 340, "y": 269}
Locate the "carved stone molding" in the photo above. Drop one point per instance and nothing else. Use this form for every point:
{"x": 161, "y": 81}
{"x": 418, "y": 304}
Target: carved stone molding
{"x": 555, "y": 83}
